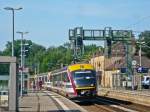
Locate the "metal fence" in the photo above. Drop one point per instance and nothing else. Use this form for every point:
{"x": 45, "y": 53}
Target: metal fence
{"x": 134, "y": 82}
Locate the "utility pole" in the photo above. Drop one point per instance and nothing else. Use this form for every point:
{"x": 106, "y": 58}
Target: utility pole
{"x": 140, "y": 55}
{"x": 13, "y": 25}
{"x": 22, "y": 61}
{"x": 141, "y": 43}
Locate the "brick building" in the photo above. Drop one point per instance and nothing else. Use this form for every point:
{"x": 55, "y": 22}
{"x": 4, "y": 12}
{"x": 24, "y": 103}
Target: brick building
{"x": 109, "y": 68}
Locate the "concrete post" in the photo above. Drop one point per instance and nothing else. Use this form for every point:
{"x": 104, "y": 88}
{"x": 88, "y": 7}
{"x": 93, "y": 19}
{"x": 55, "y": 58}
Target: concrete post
{"x": 12, "y": 103}
{"x": 13, "y": 88}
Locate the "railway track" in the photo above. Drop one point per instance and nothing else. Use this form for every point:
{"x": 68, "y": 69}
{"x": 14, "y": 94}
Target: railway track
{"x": 104, "y": 104}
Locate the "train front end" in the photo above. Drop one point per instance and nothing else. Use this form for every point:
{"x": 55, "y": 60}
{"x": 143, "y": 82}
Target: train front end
{"x": 83, "y": 79}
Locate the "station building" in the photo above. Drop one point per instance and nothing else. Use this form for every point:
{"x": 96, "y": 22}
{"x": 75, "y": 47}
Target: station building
{"x": 109, "y": 69}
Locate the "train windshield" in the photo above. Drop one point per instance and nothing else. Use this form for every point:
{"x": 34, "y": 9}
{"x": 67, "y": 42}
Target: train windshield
{"x": 84, "y": 78}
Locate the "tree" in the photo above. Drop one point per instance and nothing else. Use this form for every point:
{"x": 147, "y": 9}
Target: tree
{"x": 1, "y": 53}
{"x": 35, "y": 56}
{"x": 45, "y": 60}
{"x": 145, "y": 37}
{"x": 17, "y": 47}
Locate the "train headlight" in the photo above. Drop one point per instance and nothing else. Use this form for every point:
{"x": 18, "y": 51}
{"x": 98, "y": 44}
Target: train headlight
{"x": 92, "y": 84}
{"x": 75, "y": 82}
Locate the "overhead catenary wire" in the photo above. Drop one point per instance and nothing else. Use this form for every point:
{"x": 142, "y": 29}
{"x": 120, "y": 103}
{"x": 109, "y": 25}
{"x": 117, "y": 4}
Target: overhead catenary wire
{"x": 139, "y": 21}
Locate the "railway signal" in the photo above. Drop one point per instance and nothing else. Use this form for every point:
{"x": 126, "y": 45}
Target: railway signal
{"x": 78, "y": 35}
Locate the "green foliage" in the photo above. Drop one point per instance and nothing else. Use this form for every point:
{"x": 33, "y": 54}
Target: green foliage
{"x": 44, "y": 60}
{"x": 1, "y": 53}
{"x": 91, "y": 50}
{"x": 17, "y": 44}
{"x": 145, "y": 37}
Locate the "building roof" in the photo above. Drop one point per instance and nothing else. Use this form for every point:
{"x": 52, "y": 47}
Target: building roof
{"x": 118, "y": 59}
{"x": 120, "y": 62}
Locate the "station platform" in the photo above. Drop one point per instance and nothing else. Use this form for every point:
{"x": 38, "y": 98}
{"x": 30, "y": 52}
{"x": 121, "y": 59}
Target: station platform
{"x": 135, "y": 96}
{"x": 47, "y": 101}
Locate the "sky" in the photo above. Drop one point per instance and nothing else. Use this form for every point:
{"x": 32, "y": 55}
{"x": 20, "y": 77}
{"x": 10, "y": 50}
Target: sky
{"x": 48, "y": 21}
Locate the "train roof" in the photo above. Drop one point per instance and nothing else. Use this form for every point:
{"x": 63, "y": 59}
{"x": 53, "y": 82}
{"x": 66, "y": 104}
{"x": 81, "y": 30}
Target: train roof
{"x": 59, "y": 70}
{"x": 80, "y": 67}
{"x": 74, "y": 67}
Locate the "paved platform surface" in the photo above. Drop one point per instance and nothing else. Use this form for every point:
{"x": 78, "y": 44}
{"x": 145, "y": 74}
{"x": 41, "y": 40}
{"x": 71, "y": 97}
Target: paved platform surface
{"x": 47, "y": 102}
{"x": 136, "y": 96}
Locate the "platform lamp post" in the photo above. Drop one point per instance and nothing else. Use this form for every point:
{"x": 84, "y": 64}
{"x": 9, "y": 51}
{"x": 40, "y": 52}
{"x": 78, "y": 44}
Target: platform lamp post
{"x": 21, "y": 66}
{"x": 13, "y": 10}
{"x": 141, "y": 44}
{"x": 26, "y": 47}
{"x": 140, "y": 51}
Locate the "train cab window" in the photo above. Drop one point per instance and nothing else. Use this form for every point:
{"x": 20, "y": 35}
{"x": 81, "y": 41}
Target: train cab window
{"x": 84, "y": 78}
{"x": 83, "y": 74}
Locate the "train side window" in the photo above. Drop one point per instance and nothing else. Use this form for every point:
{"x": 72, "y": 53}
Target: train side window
{"x": 54, "y": 77}
{"x": 45, "y": 78}
{"x": 51, "y": 78}
{"x": 62, "y": 77}
{"x": 66, "y": 77}
{"x": 58, "y": 77}
{"x": 55, "y": 80}
{"x": 148, "y": 78}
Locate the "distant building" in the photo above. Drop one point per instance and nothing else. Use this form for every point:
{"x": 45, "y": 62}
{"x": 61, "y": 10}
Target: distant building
{"x": 108, "y": 68}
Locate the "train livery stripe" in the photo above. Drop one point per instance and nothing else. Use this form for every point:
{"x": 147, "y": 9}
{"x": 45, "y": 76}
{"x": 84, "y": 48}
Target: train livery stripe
{"x": 85, "y": 88}
{"x": 72, "y": 82}
{"x": 80, "y": 67}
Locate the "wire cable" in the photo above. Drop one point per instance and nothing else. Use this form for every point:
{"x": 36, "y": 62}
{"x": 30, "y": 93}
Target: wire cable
{"x": 139, "y": 21}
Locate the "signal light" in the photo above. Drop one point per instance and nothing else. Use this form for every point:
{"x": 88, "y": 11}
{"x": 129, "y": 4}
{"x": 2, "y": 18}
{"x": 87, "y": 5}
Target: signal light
{"x": 79, "y": 41}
